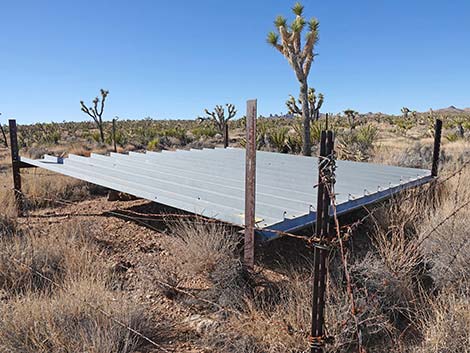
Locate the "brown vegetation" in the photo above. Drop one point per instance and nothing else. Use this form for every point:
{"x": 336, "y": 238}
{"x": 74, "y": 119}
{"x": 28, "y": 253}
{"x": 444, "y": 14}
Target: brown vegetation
{"x": 410, "y": 264}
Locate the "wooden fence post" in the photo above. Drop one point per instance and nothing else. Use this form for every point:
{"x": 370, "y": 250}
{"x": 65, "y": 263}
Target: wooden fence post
{"x": 437, "y": 147}
{"x": 250, "y": 184}
{"x": 320, "y": 250}
{"x": 15, "y": 163}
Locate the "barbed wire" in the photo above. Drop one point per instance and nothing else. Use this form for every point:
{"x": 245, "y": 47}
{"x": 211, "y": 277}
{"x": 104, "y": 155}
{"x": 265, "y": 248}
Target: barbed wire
{"x": 340, "y": 237}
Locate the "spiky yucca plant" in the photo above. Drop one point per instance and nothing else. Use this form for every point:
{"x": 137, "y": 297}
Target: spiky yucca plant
{"x": 288, "y": 41}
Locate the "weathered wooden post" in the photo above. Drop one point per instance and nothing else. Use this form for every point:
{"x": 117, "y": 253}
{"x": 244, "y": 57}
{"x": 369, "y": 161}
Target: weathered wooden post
{"x": 321, "y": 250}
{"x": 437, "y": 147}
{"x": 15, "y": 162}
{"x": 250, "y": 184}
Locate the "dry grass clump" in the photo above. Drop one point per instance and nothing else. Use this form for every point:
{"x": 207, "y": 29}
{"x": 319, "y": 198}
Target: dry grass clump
{"x": 69, "y": 322}
{"x": 41, "y": 189}
{"x": 26, "y": 260}
{"x": 445, "y": 238}
{"x": 53, "y": 290}
{"x": 446, "y": 328}
{"x": 8, "y": 215}
{"x": 209, "y": 250}
{"x": 274, "y": 318}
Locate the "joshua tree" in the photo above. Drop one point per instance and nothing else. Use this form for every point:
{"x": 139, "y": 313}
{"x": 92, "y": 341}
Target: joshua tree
{"x": 95, "y": 113}
{"x": 459, "y": 121}
{"x": 288, "y": 42}
{"x": 313, "y": 105}
{"x": 405, "y": 111}
{"x": 351, "y": 115}
{"x": 5, "y": 142}
{"x": 217, "y": 116}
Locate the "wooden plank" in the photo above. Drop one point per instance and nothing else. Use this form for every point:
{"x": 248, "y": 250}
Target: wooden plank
{"x": 15, "y": 162}
{"x": 250, "y": 184}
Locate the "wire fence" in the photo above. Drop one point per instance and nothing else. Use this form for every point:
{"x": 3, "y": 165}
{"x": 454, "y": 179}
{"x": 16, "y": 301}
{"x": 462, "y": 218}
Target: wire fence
{"x": 343, "y": 233}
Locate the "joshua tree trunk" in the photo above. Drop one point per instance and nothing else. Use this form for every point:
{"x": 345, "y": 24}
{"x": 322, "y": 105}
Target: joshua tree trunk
{"x": 101, "y": 132}
{"x": 5, "y": 142}
{"x": 306, "y": 147}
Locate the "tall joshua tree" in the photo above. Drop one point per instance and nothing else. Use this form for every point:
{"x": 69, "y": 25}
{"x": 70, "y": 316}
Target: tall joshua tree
{"x": 288, "y": 41}
{"x": 96, "y": 113}
{"x": 351, "y": 115}
{"x": 314, "y": 104}
{"x": 217, "y": 116}
{"x": 405, "y": 111}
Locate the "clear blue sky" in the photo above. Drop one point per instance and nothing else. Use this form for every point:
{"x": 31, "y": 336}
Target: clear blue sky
{"x": 172, "y": 59}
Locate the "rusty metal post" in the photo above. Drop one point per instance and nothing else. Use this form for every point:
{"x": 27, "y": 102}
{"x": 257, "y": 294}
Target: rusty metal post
{"x": 321, "y": 251}
{"x": 15, "y": 162}
{"x": 250, "y": 184}
{"x": 226, "y": 134}
{"x": 437, "y": 147}
{"x": 114, "y": 135}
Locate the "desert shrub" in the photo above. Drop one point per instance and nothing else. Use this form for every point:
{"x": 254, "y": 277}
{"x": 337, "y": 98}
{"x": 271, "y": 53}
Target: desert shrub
{"x": 26, "y": 260}
{"x": 447, "y": 245}
{"x": 417, "y": 156}
{"x": 8, "y": 216}
{"x": 452, "y": 137}
{"x": 446, "y": 327}
{"x": 95, "y": 135}
{"x": 316, "y": 128}
{"x": 154, "y": 145}
{"x": 277, "y": 318}
{"x": 209, "y": 249}
{"x": 403, "y": 125}
{"x": 36, "y": 152}
{"x": 206, "y": 130}
{"x": 69, "y": 322}
{"x": 41, "y": 189}
{"x": 121, "y": 138}
{"x": 278, "y": 139}
{"x": 177, "y": 132}
{"x": 357, "y": 144}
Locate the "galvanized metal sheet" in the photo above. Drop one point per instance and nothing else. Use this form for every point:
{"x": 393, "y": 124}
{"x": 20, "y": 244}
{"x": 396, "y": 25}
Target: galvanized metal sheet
{"x": 211, "y": 182}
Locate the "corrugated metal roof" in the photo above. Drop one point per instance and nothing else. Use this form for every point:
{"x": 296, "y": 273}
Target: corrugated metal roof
{"x": 211, "y": 182}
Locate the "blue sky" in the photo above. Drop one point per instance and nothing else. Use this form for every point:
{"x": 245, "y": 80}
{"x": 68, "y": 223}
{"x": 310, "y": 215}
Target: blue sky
{"x": 172, "y": 59}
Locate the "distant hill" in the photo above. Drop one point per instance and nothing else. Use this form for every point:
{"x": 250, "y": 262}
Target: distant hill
{"x": 452, "y": 111}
